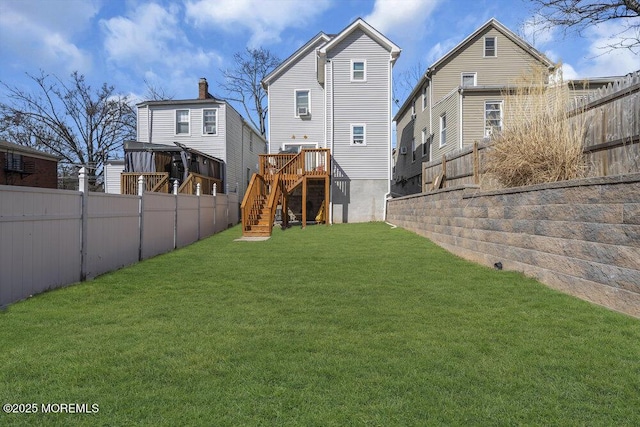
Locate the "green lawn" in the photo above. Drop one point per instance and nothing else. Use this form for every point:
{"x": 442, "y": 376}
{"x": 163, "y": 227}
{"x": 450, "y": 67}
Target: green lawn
{"x": 328, "y": 326}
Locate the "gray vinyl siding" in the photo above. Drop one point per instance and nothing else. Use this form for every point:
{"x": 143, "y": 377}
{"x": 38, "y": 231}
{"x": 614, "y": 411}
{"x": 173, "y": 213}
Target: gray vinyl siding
{"x": 510, "y": 63}
{"x": 164, "y": 128}
{"x": 283, "y": 125}
{"x": 473, "y": 115}
{"x": 239, "y": 154}
{"x": 450, "y": 106}
{"x": 405, "y": 166}
{"x": 361, "y": 103}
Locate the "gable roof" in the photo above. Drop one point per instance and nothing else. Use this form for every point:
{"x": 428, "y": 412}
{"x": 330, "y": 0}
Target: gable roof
{"x": 329, "y": 42}
{"x": 494, "y": 23}
{"x": 360, "y": 24}
{"x": 294, "y": 57}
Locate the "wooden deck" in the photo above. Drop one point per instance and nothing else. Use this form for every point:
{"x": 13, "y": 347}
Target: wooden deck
{"x": 158, "y": 182}
{"x": 279, "y": 176}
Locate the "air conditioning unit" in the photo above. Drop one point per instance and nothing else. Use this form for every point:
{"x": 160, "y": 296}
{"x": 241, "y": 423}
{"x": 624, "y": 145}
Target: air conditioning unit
{"x": 413, "y": 116}
{"x": 403, "y": 150}
{"x": 210, "y": 129}
{"x": 303, "y": 111}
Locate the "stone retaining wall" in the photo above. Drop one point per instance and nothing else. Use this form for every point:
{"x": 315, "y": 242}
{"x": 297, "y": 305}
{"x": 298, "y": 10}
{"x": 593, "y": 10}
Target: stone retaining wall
{"x": 581, "y": 237}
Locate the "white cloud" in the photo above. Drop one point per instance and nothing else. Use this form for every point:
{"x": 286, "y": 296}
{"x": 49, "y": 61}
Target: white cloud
{"x": 401, "y": 17}
{"x": 438, "y": 50}
{"x": 151, "y": 35}
{"x": 38, "y": 33}
{"x": 536, "y": 32}
{"x": 265, "y": 20}
{"x": 602, "y": 60}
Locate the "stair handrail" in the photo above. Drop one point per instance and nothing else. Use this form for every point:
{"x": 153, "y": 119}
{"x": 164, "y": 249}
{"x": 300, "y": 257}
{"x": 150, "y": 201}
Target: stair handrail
{"x": 256, "y": 183}
{"x": 272, "y": 203}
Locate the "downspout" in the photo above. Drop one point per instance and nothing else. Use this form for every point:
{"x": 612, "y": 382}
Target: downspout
{"x": 390, "y": 157}
{"x": 332, "y": 137}
{"x": 428, "y": 77}
{"x": 460, "y": 94}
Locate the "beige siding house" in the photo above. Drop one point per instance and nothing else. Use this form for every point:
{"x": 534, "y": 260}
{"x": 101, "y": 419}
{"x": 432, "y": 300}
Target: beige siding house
{"x": 459, "y": 99}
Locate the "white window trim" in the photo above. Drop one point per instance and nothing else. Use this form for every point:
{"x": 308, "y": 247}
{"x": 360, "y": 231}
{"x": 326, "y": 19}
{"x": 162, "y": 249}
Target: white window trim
{"x": 475, "y": 78}
{"x": 485, "y": 115}
{"x": 364, "y": 135}
{"x": 424, "y": 98}
{"x": 295, "y": 102}
{"x": 351, "y": 71}
{"x": 215, "y": 110}
{"x": 443, "y": 143}
{"x": 413, "y": 149}
{"x": 425, "y": 138}
{"x": 175, "y": 129}
{"x": 495, "y": 46}
{"x": 285, "y": 145}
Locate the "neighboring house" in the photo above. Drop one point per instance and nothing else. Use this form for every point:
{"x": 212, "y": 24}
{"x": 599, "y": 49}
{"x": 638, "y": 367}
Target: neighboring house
{"x": 27, "y": 167}
{"x": 459, "y": 99}
{"x": 207, "y": 125}
{"x": 334, "y": 94}
{"x": 112, "y": 171}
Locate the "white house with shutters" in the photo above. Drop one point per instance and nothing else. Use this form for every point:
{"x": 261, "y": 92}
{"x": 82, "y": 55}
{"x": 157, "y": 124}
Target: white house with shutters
{"x": 335, "y": 93}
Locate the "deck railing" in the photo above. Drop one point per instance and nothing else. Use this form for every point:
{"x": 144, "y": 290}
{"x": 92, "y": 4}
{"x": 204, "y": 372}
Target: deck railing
{"x": 153, "y": 181}
{"x": 189, "y": 186}
{"x": 309, "y": 162}
{"x": 159, "y": 182}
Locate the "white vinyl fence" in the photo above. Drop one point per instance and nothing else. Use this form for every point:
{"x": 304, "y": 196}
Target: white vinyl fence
{"x": 52, "y": 238}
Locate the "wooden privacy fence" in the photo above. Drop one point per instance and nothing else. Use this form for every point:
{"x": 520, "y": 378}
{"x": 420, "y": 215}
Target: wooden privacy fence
{"x": 611, "y": 143}
{"x": 53, "y": 238}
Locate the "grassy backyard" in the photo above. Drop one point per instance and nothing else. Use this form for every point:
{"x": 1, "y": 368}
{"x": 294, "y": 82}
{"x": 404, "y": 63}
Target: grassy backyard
{"x": 328, "y": 326}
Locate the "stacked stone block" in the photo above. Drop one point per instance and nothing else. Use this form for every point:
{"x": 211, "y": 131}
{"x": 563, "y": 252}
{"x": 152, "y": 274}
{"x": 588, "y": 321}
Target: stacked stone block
{"x": 581, "y": 237}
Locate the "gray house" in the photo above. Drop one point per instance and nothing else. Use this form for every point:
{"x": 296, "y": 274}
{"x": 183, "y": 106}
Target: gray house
{"x": 334, "y": 94}
{"x": 459, "y": 99}
{"x": 208, "y": 126}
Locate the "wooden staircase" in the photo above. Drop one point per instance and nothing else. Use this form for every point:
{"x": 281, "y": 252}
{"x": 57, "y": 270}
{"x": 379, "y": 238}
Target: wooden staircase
{"x": 279, "y": 176}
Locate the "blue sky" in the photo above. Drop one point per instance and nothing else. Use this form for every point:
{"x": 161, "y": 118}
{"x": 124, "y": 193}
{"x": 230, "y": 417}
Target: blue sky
{"x": 172, "y": 44}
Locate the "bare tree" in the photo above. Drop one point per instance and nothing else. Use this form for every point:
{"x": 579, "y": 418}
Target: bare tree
{"x": 405, "y": 81}
{"x": 69, "y": 119}
{"x": 242, "y": 83}
{"x": 156, "y": 93}
{"x": 581, "y": 14}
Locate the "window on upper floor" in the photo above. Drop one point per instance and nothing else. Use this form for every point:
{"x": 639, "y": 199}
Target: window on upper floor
{"x": 210, "y": 122}
{"x": 443, "y": 129}
{"x": 358, "y": 71}
{"x": 302, "y": 103}
{"x": 468, "y": 79}
{"x": 490, "y": 48}
{"x": 492, "y": 117}
{"x": 424, "y": 98}
{"x": 182, "y": 122}
{"x": 358, "y": 134}
{"x": 251, "y": 141}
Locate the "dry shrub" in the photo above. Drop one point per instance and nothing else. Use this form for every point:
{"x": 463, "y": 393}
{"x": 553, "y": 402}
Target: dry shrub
{"x": 539, "y": 142}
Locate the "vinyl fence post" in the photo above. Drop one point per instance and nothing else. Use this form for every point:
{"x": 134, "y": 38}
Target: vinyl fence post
{"x": 140, "y": 215}
{"x": 215, "y": 205}
{"x": 83, "y": 186}
{"x": 198, "y": 190}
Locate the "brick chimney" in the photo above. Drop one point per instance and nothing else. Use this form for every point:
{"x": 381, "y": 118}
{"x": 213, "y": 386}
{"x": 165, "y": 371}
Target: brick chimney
{"x": 203, "y": 89}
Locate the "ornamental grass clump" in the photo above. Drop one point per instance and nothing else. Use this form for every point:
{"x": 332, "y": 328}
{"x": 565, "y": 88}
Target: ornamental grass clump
{"x": 540, "y": 141}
